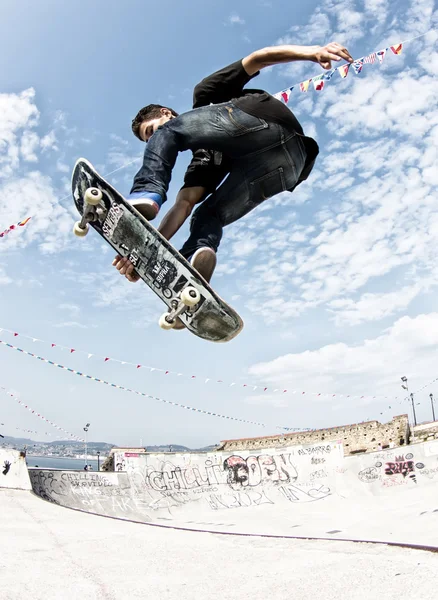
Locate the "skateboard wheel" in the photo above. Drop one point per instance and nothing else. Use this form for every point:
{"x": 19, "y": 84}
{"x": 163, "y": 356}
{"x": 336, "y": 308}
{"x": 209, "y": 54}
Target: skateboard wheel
{"x": 93, "y": 196}
{"x": 190, "y": 296}
{"x": 164, "y": 323}
{"x": 80, "y": 231}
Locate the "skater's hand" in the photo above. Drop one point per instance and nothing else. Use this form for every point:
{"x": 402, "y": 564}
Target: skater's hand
{"x": 332, "y": 51}
{"x": 126, "y": 268}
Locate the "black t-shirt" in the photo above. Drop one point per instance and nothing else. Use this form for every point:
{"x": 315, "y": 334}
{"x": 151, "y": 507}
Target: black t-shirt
{"x": 206, "y": 168}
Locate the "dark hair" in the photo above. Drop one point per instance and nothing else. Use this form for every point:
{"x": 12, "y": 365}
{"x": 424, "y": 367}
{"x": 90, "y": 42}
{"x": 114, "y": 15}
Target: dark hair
{"x": 151, "y": 111}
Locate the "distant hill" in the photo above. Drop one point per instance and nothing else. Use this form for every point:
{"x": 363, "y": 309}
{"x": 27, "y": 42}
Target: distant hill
{"x": 103, "y": 447}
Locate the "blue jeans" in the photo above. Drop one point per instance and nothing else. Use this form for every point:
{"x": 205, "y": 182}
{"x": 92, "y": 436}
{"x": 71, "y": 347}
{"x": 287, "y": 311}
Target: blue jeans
{"x": 266, "y": 159}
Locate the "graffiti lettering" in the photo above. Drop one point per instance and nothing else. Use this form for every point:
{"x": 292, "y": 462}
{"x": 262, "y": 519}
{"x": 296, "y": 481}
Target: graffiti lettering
{"x": 294, "y": 494}
{"x": 369, "y": 475}
{"x": 402, "y": 468}
{"x": 315, "y": 450}
{"x": 237, "y": 499}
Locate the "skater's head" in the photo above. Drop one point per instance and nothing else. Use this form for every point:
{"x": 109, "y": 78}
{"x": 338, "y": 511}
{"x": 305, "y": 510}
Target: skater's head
{"x": 149, "y": 118}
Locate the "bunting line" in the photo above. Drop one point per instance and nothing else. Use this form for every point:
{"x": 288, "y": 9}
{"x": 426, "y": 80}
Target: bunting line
{"x": 12, "y": 227}
{"x": 37, "y": 414}
{"x": 247, "y": 386}
{"x": 143, "y": 394}
{"x": 425, "y": 386}
{"x": 343, "y": 70}
{"x": 56, "y": 437}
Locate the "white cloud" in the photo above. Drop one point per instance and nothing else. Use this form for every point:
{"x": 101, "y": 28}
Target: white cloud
{"x": 372, "y": 307}
{"x": 74, "y": 309}
{"x": 234, "y": 19}
{"x": 73, "y": 324}
{"x": 29, "y": 145}
{"x": 51, "y": 224}
{"x": 373, "y": 366}
{"x": 48, "y": 142}
{"x": 17, "y": 112}
{"x": 4, "y": 279}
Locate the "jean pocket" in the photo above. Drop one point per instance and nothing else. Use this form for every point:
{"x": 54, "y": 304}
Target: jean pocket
{"x": 237, "y": 122}
{"x": 267, "y": 186}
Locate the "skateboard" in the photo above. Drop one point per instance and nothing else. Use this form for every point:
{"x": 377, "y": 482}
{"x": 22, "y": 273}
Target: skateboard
{"x": 174, "y": 280}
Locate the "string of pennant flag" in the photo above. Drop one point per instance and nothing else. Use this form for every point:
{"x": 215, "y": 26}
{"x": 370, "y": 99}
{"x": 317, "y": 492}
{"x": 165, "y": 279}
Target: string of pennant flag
{"x": 143, "y": 394}
{"x": 12, "y": 227}
{"x": 197, "y": 378}
{"x": 39, "y": 415}
{"x": 56, "y": 437}
{"x": 357, "y": 65}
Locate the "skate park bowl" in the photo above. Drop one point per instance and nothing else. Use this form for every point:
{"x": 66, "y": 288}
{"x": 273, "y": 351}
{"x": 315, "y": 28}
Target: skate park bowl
{"x": 300, "y": 492}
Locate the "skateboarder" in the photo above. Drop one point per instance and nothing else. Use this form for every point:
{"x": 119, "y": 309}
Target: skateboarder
{"x": 250, "y": 135}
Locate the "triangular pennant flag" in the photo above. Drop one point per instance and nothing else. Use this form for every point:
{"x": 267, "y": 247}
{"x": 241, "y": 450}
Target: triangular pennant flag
{"x": 53, "y": 345}
{"x": 327, "y": 76}
{"x": 90, "y": 355}
{"x": 15, "y": 334}
{"x": 343, "y": 71}
{"x": 304, "y": 85}
{"x": 107, "y": 359}
{"x": 397, "y": 49}
{"x": 318, "y": 83}
{"x": 72, "y": 350}
{"x": 381, "y": 55}
{"x": 277, "y": 96}
{"x": 358, "y": 65}
{"x": 285, "y": 96}
{"x": 34, "y": 340}
{"x": 370, "y": 59}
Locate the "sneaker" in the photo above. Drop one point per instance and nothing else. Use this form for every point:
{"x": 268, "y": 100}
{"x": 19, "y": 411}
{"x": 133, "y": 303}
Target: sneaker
{"x": 204, "y": 261}
{"x": 148, "y": 204}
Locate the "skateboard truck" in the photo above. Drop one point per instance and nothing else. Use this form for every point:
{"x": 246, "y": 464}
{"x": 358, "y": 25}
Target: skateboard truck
{"x": 92, "y": 199}
{"x": 188, "y": 298}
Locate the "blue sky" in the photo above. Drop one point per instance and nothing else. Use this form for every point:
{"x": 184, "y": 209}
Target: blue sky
{"x": 336, "y": 283}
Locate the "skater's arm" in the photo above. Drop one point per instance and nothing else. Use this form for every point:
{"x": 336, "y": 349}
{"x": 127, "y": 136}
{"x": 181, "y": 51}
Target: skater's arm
{"x": 323, "y": 55}
{"x": 185, "y": 201}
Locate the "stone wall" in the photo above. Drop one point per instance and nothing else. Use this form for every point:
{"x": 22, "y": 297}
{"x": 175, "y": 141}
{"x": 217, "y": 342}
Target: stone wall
{"x": 360, "y": 437}
{"x": 424, "y": 433}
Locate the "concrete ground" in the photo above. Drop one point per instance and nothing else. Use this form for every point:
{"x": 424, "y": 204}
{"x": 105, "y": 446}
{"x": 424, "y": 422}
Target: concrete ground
{"x": 50, "y": 552}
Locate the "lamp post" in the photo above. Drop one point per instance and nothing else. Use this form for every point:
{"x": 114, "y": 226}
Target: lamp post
{"x": 405, "y": 387}
{"x": 86, "y": 441}
{"x": 413, "y": 408}
{"x": 433, "y": 408}
{"x": 98, "y": 460}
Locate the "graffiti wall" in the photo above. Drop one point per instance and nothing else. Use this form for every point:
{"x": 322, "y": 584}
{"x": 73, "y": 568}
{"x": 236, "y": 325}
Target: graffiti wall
{"x": 189, "y": 487}
{"x": 13, "y": 470}
{"x": 406, "y": 467}
{"x": 154, "y": 486}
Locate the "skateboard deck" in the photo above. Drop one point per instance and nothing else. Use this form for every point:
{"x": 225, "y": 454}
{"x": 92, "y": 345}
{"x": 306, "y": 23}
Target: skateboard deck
{"x": 174, "y": 280}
